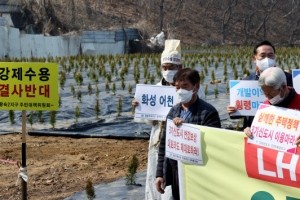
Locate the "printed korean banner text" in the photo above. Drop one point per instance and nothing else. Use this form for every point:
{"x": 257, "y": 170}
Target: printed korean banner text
{"x": 234, "y": 169}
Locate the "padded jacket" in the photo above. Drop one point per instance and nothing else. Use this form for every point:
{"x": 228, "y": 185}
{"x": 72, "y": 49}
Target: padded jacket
{"x": 203, "y": 113}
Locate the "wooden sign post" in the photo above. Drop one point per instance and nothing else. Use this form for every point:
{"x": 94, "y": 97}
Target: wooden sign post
{"x": 24, "y": 166}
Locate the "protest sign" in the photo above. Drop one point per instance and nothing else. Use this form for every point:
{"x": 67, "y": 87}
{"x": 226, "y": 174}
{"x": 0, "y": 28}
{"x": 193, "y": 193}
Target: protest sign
{"x": 246, "y": 96}
{"x": 234, "y": 169}
{"x": 183, "y": 143}
{"x": 155, "y": 101}
{"x": 296, "y": 80}
{"x": 28, "y": 86}
{"x": 276, "y": 128}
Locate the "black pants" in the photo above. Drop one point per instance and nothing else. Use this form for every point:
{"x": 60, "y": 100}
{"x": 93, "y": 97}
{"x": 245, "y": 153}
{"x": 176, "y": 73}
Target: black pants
{"x": 175, "y": 180}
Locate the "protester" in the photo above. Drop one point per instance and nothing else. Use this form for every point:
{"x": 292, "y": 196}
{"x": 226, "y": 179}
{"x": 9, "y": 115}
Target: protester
{"x": 274, "y": 86}
{"x": 171, "y": 63}
{"x": 191, "y": 109}
{"x": 264, "y": 58}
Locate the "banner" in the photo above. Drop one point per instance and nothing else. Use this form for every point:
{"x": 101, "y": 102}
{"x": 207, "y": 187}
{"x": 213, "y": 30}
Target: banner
{"x": 246, "y": 96}
{"x": 183, "y": 143}
{"x": 233, "y": 169}
{"x": 155, "y": 101}
{"x": 296, "y": 80}
{"x": 276, "y": 128}
{"x": 28, "y": 86}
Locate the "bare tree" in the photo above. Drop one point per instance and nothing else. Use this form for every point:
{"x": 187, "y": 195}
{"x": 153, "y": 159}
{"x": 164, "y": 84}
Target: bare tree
{"x": 171, "y": 26}
{"x": 293, "y": 19}
{"x": 267, "y": 10}
{"x": 161, "y": 12}
{"x": 227, "y": 16}
{"x": 179, "y": 5}
{"x": 208, "y": 4}
{"x": 72, "y": 13}
{"x": 249, "y": 10}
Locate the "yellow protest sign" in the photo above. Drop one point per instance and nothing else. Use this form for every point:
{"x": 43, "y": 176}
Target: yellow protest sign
{"x": 28, "y": 86}
{"x": 234, "y": 169}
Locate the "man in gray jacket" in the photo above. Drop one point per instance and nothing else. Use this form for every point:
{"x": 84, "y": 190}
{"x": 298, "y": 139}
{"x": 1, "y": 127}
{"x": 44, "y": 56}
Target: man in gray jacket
{"x": 191, "y": 109}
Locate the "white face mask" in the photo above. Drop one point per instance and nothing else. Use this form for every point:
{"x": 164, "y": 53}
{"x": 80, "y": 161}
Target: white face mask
{"x": 265, "y": 63}
{"x": 184, "y": 96}
{"x": 169, "y": 75}
{"x": 277, "y": 99}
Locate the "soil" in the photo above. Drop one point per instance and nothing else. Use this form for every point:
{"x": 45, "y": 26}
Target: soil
{"x": 61, "y": 166}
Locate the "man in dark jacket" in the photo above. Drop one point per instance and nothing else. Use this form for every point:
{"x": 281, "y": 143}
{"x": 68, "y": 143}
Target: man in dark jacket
{"x": 263, "y": 57}
{"x": 191, "y": 110}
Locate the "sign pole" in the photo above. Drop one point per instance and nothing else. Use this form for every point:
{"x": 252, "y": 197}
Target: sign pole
{"x": 24, "y": 183}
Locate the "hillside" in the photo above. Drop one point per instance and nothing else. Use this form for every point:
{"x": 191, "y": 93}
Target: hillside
{"x": 193, "y": 21}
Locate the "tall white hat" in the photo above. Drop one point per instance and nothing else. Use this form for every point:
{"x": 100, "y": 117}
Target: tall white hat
{"x": 172, "y": 52}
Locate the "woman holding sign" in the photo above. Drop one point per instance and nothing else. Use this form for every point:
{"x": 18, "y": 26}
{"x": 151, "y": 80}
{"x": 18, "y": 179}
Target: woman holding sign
{"x": 274, "y": 86}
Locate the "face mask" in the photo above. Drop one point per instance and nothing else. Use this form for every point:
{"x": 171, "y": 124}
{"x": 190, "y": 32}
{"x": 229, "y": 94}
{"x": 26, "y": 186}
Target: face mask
{"x": 265, "y": 63}
{"x": 184, "y": 96}
{"x": 169, "y": 75}
{"x": 277, "y": 99}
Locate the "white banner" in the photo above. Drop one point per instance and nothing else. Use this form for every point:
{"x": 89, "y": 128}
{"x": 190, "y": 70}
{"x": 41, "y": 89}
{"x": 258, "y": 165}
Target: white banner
{"x": 276, "y": 128}
{"x": 155, "y": 101}
{"x": 246, "y": 96}
{"x": 296, "y": 80}
{"x": 183, "y": 143}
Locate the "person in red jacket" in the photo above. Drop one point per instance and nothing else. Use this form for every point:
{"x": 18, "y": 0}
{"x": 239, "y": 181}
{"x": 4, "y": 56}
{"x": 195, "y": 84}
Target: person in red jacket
{"x": 273, "y": 84}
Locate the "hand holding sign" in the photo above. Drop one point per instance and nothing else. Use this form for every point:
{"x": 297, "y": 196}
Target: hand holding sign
{"x": 178, "y": 121}
{"x": 231, "y": 109}
{"x": 134, "y": 103}
{"x": 247, "y": 131}
{"x": 298, "y": 140}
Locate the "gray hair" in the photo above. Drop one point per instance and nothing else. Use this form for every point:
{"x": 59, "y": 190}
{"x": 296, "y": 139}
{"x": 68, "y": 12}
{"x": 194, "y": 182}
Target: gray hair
{"x": 273, "y": 76}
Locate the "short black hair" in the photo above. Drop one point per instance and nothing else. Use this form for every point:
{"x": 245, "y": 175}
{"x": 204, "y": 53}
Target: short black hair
{"x": 187, "y": 74}
{"x": 266, "y": 42}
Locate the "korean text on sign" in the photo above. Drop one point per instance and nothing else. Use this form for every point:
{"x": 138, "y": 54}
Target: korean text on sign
{"x": 246, "y": 96}
{"x": 28, "y": 86}
{"x": 155, "y": 101}
{"x": 183, "y": 143}
{"x": 276, "y": 128}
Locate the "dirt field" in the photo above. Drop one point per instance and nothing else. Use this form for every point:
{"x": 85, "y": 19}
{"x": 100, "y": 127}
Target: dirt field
{"x": 60, "y": 166}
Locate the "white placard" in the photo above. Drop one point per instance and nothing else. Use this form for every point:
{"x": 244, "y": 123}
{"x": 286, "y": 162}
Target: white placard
{"x": 183, "y": 143}
{"x": 246, "y": 96}
{"x": 155, "y": 101}
{"x": 276, "y": 128}
{"x": 296, "y": 80}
